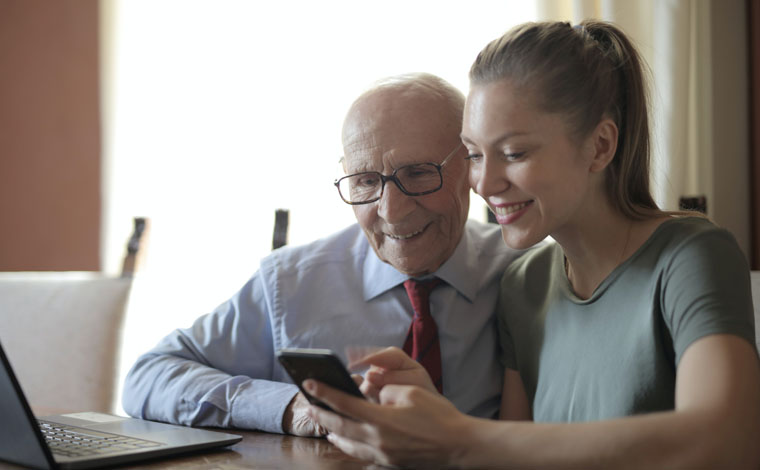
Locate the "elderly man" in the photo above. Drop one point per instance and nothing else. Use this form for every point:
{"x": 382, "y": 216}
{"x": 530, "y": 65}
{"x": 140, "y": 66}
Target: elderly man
{"x": 407, "y": 183}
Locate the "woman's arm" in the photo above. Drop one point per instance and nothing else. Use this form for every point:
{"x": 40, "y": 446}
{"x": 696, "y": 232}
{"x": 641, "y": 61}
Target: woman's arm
{"x": 715, "y": 424}
{"x": 515, "y": 405}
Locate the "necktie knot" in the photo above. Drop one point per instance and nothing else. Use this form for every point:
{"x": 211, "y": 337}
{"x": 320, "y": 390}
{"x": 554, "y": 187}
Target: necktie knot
{"x": 419, "y": 294}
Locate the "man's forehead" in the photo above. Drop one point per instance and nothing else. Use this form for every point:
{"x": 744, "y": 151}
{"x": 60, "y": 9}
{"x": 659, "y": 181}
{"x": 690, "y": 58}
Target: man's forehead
{"x": 391, "y": 114}
{"x": 388, "y": 129}
{"x": 367, "y": 153}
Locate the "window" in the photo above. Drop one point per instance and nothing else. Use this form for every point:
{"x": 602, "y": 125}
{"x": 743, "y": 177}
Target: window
{"x": 208, "y": 104}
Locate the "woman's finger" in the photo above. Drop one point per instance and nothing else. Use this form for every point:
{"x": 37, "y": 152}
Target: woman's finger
{"x": 358, "y": 379}
{"x": 403, "y": 395}
{"x": 347, "y": 405}
{"x": 356, "y": 449}
{"x": 357, "y": 353}
{"x": 332, "y": 422}
{"x": 388, "y": 358}
{"x": 370, "y": 391}
{"x": 380, "y": 378}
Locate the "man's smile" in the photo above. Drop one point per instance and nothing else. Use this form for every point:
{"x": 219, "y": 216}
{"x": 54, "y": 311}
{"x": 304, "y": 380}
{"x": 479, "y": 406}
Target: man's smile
{"x": 405, "y": 236}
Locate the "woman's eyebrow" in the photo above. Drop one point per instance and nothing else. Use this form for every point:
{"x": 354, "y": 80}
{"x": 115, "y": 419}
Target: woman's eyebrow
{"x": 504, "y": 137}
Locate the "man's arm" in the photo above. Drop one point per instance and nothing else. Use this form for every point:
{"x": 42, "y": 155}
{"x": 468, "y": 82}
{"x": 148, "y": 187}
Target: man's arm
{"x": 716, "y": 424}
{"x": 216, "y": 373}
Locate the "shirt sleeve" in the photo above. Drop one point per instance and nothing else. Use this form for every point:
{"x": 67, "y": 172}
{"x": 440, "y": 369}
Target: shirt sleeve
{"x": 216, "y": 373}
{"x": 706, "y": 290}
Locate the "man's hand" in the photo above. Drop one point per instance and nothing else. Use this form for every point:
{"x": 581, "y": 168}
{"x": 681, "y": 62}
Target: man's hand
{"x": 296, "y": 421}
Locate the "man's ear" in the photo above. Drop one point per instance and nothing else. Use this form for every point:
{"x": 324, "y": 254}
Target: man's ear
{"x": 605, "y": 140}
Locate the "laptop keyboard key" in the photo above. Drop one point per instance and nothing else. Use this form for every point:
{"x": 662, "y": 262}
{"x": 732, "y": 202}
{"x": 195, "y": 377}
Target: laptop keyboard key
{"x": 71, "y": 441}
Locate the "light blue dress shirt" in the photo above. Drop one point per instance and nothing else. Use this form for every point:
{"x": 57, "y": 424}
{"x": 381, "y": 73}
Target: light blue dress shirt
{"x": 332, "y": 293}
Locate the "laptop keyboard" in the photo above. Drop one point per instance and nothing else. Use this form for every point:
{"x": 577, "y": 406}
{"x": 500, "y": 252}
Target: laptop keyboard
{"x": 71, "y": 441}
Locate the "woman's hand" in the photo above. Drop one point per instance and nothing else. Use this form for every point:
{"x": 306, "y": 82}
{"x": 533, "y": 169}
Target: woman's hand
{"x": 391, "y": 366}
{"x": 410, "y": 425}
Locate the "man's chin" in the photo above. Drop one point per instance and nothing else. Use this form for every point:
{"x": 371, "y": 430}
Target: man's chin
{"x": 411, "y": 263}
{"x": 409, "y": 255}
{"x": 412, "y": 271}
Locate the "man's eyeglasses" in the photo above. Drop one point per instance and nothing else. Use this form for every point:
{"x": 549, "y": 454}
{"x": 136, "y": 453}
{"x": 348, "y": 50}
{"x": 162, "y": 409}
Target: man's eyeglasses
{"x": 417, "y": 179}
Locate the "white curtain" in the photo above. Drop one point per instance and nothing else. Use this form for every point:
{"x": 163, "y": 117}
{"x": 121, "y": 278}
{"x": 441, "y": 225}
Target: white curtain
{"x": 695, "y": 152}
{"x": 664, "y": 27}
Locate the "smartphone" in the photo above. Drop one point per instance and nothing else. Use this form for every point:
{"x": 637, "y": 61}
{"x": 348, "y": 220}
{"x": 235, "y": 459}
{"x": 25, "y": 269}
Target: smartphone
{"x": 317, "y": 364}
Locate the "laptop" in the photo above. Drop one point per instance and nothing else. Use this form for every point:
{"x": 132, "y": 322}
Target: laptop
{"x": 87, "y": 440}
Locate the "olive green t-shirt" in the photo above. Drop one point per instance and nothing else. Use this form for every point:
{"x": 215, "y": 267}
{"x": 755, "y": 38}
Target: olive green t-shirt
{"x": 615, "y": 354}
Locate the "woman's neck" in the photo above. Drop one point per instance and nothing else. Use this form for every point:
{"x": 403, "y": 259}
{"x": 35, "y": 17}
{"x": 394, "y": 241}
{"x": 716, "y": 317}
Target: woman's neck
{"x": 601, "y": 243}
{"x": 593, "y": 250}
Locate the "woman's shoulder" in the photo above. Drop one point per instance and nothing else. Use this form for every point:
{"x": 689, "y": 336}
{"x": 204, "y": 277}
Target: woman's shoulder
{"x": 535, "y": 265}
{"x": 690, "y": 241}
{"x": 678, "y": 233}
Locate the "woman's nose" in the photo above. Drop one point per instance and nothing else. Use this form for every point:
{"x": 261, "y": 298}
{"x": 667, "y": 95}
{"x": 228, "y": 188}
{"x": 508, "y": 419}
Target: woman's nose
{"x": 488, "y": 177}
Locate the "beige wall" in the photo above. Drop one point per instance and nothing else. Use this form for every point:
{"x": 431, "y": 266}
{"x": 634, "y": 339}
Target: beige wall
{"x": 725, "y": 140}
{"x": 49, "y": 135}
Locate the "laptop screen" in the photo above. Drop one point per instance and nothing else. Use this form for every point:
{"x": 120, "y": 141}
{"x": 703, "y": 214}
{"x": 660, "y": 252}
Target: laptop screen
{"x": 20, "y": 438}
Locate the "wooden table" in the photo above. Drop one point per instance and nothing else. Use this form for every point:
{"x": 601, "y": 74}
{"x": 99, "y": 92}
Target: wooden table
{"x": 258, "y": 450}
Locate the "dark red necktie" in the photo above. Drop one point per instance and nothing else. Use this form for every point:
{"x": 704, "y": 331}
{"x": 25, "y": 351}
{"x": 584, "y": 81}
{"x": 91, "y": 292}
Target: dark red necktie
{"x": 422, "y": 342}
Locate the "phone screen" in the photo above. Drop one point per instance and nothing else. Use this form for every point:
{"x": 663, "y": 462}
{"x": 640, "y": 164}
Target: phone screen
{"x": 317, "y": 364}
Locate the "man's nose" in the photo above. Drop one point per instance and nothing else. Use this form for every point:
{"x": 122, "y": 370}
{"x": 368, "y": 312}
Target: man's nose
{"x": 394, "y": 205}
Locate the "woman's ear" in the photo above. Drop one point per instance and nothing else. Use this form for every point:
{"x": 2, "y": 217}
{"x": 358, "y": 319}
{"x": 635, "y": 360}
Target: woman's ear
{"x": 605, "y": 139}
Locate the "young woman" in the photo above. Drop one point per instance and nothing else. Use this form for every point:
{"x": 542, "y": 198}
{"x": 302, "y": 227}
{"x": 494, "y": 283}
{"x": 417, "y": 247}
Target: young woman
{"x": 629, "y": 342}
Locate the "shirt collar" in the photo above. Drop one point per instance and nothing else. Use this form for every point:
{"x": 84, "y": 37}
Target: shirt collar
{"x": 458, "y": 271}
